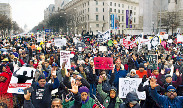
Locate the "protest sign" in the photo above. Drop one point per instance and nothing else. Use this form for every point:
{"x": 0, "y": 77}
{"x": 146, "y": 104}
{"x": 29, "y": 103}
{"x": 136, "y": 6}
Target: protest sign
{"x": 165, "y": 36}
{"x": 21, "y": 79}
{"x": 103, "y": 63}
{"x": 65, "y": 57}
{"x": 102, "y": 37}
{"x": 60, "y": 42}
{"x": 80, "y": 44}
{"x": 153, "y": 61}
{"x": 127, "y": 85}
{"x": 102, "y": 48}
{"x": 179, "y": 38}
{"x": 39, "y": 39}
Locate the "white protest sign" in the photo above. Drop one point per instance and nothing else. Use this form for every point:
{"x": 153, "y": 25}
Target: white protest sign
{"x": 102, "y": 37}
{"x": 121, "y": 41}
{"x": 21, "y": 79}
{"x": 165, "y": 36}
{"x": 65, "y": 57}
{"x": 60, "y": 42}
{"x": 179, "y": 38}
{"x": 39, "y": 39}
{"x": 102, "y": 48}
{"x": 127, "y": 85}
{"x": 80, "y": 48}
{"x": 170, "y": 41}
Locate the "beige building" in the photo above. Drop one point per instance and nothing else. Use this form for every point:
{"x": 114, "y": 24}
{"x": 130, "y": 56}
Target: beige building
{"x": 49, "y": 11}
{"x": 95, "y": 15}
{"x": 5, "y": 9}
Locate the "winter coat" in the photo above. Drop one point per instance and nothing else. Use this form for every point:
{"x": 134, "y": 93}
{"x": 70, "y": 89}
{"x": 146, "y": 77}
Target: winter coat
{"x": 164, "y": 101}
{"x": 149, "y": 102}
{"x": 41, "y": 96}
{"x": 106, "y": 97}
{"x": 77, "y": 103}
{"x": 5, "y": 97}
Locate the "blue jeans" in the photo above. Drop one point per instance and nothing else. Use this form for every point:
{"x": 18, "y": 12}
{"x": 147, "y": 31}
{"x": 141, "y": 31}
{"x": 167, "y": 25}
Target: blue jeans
{"x": 92, "y": 90}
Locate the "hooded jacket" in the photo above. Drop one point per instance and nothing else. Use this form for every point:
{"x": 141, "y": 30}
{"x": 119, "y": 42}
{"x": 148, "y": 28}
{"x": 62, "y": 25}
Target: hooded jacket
{"x": 106, "y": 97}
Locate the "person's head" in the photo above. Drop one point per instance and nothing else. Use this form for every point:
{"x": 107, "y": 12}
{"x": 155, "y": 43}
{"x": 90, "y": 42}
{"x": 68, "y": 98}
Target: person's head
{"x": 14, "y": 49}
{"x": 141, "y": 67}
{"x": 3, "y": 77}
{"x": 103, "y": 74}
{"x": 84, "y": 93}
{"x": 168, "y": 78}
{"x": 113, "y": 92}
{"x": 71, "y": 70}
{"x": 75, "y": 73}
{"x": 80, "y": 67}
{"x": 24, "y": 73}
{"x": 86, "y": 59}
{"x": 155, "y": 72}
{"x": 132, "y": 72}
{"x": 51, "y": 57}
{"x": 54, "y": 65}
{"x": 92, "y": 63}
{"x": 41, "y": 80}
{"x": 46, "y": 63}
{"x": 132, "y": 104}
{"x": 118, "y": 63}
{"x": 171, "y": 92}
{"x": 56, "y": 103}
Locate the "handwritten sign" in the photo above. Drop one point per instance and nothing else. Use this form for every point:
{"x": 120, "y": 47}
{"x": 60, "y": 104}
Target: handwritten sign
{"x": 153, "y": 61}
{"x": 60, "y": 42}
{"x": 39, "y": 39}
{"x": 127, "y": 85}
{"x": 103, "y": 63}
{"x": 65, "y": 57}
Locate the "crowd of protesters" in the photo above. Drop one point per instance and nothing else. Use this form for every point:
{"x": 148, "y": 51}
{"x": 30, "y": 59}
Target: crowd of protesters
{"x": 83, "y": 86}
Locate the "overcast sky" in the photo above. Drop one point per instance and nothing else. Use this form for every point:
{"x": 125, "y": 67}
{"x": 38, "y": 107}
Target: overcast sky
{"x": 29, "y": 12}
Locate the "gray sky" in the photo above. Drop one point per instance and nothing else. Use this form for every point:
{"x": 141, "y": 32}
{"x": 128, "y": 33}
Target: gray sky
{"x": 29, "y": 12}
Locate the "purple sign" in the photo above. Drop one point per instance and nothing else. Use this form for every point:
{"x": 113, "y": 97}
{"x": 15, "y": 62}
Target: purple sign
{"x": 127, "y": 18}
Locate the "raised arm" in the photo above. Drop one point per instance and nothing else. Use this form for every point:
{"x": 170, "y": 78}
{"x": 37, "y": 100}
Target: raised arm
{"x": 99, "y": 88}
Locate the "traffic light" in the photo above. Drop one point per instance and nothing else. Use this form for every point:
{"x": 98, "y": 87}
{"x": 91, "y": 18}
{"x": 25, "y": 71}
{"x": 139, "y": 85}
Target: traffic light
{"x": 43, "y": 28}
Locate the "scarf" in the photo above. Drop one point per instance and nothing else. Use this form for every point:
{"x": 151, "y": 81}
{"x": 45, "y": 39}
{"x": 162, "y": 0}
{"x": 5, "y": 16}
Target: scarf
{"x": 83, "y": 102}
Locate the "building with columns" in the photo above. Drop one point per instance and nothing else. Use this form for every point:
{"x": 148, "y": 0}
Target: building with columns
{"x": 95, "y": 15}
{"x": 5, "y": 9}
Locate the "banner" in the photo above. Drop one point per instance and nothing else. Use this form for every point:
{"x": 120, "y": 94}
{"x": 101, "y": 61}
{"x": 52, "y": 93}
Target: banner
{"x": 127, "y": 85}
{"x": 65, "y": 57}
{"x": 130, "y": 19}
{"x": 112, "y": 21}
{"x": 127, "y": 18}
{"x": 60, "y": 42}
{"x": 102, "y": 37}
{"x": 103, "y": 63}
{"x": 39, "y": 39}
{"x": 153, "y": 61}
{"x": 21, "y": 79}
{"x": 116, "y": 22}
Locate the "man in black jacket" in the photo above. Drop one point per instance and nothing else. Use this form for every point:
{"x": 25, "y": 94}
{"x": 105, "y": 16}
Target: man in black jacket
{"x": 41, "y": 96}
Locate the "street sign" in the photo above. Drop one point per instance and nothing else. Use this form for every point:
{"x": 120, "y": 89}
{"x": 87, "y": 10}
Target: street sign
{"x": 47, "y": 30}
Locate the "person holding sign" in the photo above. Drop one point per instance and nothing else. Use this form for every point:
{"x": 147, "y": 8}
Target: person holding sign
{"x": 111, "y": 100}
{"x": 41, "y": 96}
{"x": 169, "y": 101}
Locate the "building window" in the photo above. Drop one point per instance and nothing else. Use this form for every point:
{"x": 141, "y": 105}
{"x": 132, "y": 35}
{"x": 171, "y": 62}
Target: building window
{"x": 88, "y": 17}
{"x": 134, "y": 8}
{"x": 88, "y": 3}
{"x": 110, "y": 3}
{"x": 103, "y": 3}
{"x": 97, "y": 31}
{"x": 96, "y": 2}
{"x": 118, "y": 5}
{"x": 128, "y": 7}
{"x": 134, "y": 20}
{"x": 110, "y": 9}
{"x": 88, "y": 9}
{"x": 122, "y": 18}
{"x": 122, "y": 5}
{"x": 118, "y": 31}
{"x": 114, "y": 10}
{"x": 122, "y": 11}
{"x": 103, "y": 18}
{"x": 119, "y": 18}
{"x": 96, "y": 17}
{"x": 96, "y": 9}
{"x": 134, "y": 13}
{"x": 97, "y": 25}
{"x": 114, "y": 4}
{"x": 134, "y": 26}
{"x": 118, "y": 11}
{"x": 103, "y": 9}
{"x": 131, "y": 7}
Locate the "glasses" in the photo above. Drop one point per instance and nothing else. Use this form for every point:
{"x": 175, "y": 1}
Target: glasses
{"x": 171, "y": 91}
{"x": 55, "y": 106}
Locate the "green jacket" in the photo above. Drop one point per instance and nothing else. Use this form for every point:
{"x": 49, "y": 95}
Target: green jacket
{"x": 88, "y": 104}
{"x": 106, "y": 97}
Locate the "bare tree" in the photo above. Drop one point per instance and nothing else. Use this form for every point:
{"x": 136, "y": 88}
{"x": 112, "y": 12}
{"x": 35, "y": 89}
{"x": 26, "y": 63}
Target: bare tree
{"x": 170, "y": 21}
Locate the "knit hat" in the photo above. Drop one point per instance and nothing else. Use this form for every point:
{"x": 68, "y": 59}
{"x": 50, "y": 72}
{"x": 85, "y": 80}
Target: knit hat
{"x": 171, "y": 87}
{"x": 83, "y": 89}
{"x": 4, "y": 74}
{"x": 41, "y": 77}
{"x": 167, "y": 75}
{"x": 141, "y": 65}
{"x": 133, "y": 70}
{"x": 54, "y": 64}
{"x": 113, "y": 88}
